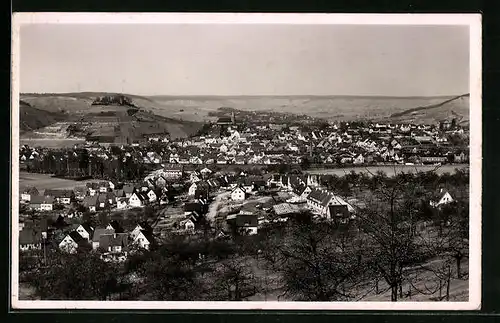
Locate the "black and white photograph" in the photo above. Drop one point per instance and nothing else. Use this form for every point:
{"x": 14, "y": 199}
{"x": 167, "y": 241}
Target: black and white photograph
{"x": 246, "y": 161}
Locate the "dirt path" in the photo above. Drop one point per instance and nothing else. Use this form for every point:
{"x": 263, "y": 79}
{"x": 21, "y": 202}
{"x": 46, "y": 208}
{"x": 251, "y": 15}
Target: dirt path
{"x": 212, "y": 210}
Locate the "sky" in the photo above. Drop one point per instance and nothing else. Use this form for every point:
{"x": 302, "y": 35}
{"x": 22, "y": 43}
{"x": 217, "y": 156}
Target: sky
{"x": 212, "y": 59}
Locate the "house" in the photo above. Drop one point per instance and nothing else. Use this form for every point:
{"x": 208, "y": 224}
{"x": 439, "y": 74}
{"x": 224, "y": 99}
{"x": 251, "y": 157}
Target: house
{"x": 80, "y": 192}
{"x": 28, "y": 193}
{"x": 105, "y": 186}
{"x": 41, "y": 203}
{"x": 205, "y": 172}
{"x": 136, "y": 200}
{"x": 115, "y": 227}
{"x": 160, "y": 182}
{"x": 238, "y": 194}
{"x": 152, "y": 196}
{"x": 187, "y": 225}
{"x": 96, "y": 236}
{"x": 285, "y": 209}
{"x": 432, "y": 159}
{"x": 319, "y": 200}
{"x": 194, "y": 178}
{"x": 85, "y": 231}
{"x": 459, "y": 158}
{"x": 143, "y": 226}
{"x": 121, "y": 203}
{"x": 444, "y": 198}
{"x": 91, "y": 203}
{"x": 338, "y": 213}
{"x": 30, "y": 239}
{"x": 128, "y": 190}
{"x": 144, "y": 239}
{"x": 72, "y": 242}
{"x": 301, "y": 191}
{"x": 201, "y": 194}
{"x": 61, "y": 196}
{"x": 359, "y": 160}
{"x": 114, "y": 242}
{"x": 102, "y": 201}
{"x": 192, "y": 189}
{"x": 247, "y": 224}
{"x": 92, "y": 188}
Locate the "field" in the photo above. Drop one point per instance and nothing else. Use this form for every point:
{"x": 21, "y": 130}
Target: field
{"x": 45, "y": 181}
{"x": 389, "y": 170}
{"x": 50, "y": 143}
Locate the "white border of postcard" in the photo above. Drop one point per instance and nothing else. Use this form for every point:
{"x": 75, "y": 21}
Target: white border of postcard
{"x": 472, "y": 20}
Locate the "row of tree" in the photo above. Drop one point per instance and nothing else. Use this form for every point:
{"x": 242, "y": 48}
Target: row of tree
{"x": 67, "y": 164}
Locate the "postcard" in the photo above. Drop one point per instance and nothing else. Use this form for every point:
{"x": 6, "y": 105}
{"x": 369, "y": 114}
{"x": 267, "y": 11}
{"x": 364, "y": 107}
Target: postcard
{"x": 246, "y": 161}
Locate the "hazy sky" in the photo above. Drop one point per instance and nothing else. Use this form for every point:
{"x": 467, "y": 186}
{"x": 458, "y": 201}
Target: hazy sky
{"x": 246, "y": 59}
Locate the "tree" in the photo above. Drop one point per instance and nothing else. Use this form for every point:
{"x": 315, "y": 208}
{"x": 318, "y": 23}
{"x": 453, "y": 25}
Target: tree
{"x": 316, "y": 261}
{"x": 80, "y": 276}
{"x": 234, "y": 281}
{"x": 172, "y": 279}
{"x": 389, "y": 220}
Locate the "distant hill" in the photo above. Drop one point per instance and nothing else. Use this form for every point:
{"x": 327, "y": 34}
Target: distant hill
{"x": 127, "y": 119}
{"x": 455, "y": 107}
{"x": 334, "y": 108}
{"x": 31, "y": 118}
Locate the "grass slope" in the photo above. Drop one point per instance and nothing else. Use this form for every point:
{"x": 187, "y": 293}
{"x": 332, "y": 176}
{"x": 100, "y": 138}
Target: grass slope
{"x": 31, "y": 118}
{"x": 456, "y": 107}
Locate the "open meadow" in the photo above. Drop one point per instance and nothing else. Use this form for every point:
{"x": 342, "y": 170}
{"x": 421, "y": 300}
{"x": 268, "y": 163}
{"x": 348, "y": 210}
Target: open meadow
{"x": 46, "y": 181}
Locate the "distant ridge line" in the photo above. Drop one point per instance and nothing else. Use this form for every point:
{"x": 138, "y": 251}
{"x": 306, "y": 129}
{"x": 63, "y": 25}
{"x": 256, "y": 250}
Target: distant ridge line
{"x": 432, "y": 106}
{"x": 160, "y": 96}
{"x": 297, "y": 96}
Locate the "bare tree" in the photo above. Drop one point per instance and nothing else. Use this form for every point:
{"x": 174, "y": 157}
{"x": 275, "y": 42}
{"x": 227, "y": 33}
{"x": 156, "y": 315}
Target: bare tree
{"x": 316, "y": 262}
{"x": 389, "y": 219}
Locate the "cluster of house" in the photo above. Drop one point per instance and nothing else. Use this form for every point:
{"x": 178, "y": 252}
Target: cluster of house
{"x": 281, "y": 144}
{"x": 95, "y": 196}
{"x": 306, "y": 194}
{"x": 112, "y": 242}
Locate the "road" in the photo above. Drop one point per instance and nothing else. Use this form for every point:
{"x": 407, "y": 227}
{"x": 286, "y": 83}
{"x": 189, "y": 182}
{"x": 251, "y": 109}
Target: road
{"x": 212, "y": 210}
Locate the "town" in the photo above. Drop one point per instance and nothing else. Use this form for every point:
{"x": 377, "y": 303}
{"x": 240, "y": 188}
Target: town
{"x": 232, "y": 179}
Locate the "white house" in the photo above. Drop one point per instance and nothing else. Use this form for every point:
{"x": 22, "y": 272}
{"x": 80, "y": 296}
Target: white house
{"x": 192, "y": 189}
{"x": 27, "y": 193}
{"x": 46, "y": 205}
{"x": 136, "y": 200}
{"x": 205, "y": 171}
{"x": 85, "y": 231}
{"x": 359, "y": 160}
{"x": 134, "y": 233}
{"x": 71, "y": 242}
{"x": 152, "y": 196}
{"x": 238, "y": 194}
{"x": 187, "y": 225}
{"x": 143, "y": 240}
{"x": 194, "y": 178}
{"x": 445, "y": 199}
